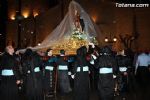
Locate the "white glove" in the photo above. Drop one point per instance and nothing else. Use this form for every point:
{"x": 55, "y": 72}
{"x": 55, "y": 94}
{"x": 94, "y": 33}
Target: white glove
{"x": 114, "y": 76}
{"x": 69, "y": 73}
{"x": 72, "y": 76}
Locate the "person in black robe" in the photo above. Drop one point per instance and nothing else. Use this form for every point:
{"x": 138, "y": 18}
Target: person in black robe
{"x": 107, "y": 66}
{"x": 17, "y": 56}
{"x": 32, "y": 63}
{"x": 81, "y": 75}
{"x": 49, "y": 73}
{"x": 124, "y": 63}
{"x": 9, "y": 75}
{"x": 63, "y": 78}
{"x": 92, "y": 56}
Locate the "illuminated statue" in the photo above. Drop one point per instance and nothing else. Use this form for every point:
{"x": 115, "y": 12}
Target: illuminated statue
{"x": 79, "y": 22}
{"x": 75, "y": 30}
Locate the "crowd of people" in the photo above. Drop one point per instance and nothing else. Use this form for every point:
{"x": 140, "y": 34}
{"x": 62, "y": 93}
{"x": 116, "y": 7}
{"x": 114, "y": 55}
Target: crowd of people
{"x": 92, "y": 68}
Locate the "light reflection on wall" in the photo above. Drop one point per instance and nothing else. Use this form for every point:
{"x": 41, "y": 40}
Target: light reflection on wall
{"x": 94, "y": 18}
{"x": 25, "y": 14}
{"x": 35, "y": 14}
{"x": 12, "y": 17}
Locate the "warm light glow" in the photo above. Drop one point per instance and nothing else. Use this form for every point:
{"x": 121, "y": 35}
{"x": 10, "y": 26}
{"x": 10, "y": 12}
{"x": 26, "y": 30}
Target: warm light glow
{"x": 12, "y": 14}
{"x": 94, "y": 18}
{"x": 32, "y": 32}
{"x": 106, "y": 39}
{"x": 35, "y": 14}
{"x": 39, "y": 44}
{"x": 25, "y": 14}
{"x": 114, "y": 39}
{"x": 12, "y": 17}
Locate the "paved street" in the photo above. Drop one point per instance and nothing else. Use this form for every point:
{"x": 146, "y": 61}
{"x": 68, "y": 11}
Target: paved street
{"x": 134, "y": 93}
{"x": 94, "y": 96}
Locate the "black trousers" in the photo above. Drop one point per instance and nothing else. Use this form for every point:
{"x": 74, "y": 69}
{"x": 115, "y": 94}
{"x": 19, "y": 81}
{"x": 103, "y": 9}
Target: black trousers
{"x": 143, "y": 76}
{"x": 8, "y": 88}
{"x": 106, "y": 87}
{"x": 143, "y": 81}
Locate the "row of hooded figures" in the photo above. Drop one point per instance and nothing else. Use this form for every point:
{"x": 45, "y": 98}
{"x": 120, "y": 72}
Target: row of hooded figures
{"x": 44, "y": 76}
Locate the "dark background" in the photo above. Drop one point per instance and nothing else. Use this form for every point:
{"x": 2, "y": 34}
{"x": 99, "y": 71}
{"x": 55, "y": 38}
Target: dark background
{"x": 133, "y": 1}
{"x": 3, "y": 20}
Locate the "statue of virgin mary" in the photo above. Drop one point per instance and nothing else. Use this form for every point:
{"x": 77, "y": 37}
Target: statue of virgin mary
{"x": 75, "y": 30}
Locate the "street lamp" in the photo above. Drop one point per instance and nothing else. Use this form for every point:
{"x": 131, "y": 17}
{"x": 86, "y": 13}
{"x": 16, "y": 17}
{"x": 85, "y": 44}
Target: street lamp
{"x": 114, "y": 39}
{"x": 110, "y": 39}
